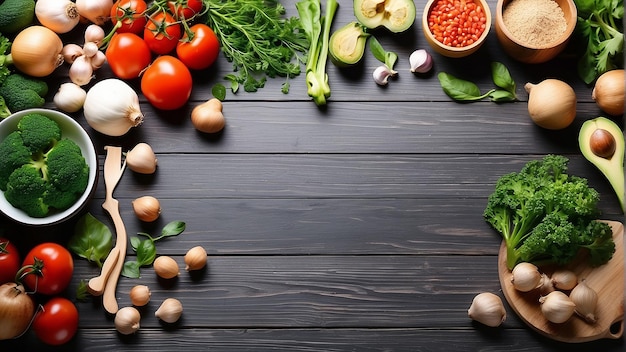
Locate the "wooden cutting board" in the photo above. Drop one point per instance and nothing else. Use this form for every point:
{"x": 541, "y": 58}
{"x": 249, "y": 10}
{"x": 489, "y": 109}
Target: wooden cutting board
{"x": 607, "y": 280}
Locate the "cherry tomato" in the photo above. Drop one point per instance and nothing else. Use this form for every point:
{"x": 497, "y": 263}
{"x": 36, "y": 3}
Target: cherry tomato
{"x": 57, "y": 322}
{"x": 128, "y": 55}
{"x": 9, "y": 261}
{"x": 185, "y": 9}
{"x": 162, "y": 33}
{"x": 201, "y": 50}
{"x": 131, "y": 14}
{"x": 56, "y": 265}
{"x": 167, "y": 83}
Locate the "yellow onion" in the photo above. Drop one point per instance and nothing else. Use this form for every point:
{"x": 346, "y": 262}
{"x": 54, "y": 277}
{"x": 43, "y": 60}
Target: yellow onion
{"x": 608, "y": 92}
{"x": 551, "y": 104}
{"x": 36, "y": 51}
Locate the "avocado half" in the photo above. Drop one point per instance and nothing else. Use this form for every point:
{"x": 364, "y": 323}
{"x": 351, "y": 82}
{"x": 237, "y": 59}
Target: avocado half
{"x": 612, "y": 167}
{"x": 395, "y": 15}
{"x": 347, "y": 44}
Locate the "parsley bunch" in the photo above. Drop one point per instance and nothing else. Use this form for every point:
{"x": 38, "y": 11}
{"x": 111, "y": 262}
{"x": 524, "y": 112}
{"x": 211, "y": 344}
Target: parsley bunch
{"x": 258, "y": 40}
{"x": 600, "y": 25}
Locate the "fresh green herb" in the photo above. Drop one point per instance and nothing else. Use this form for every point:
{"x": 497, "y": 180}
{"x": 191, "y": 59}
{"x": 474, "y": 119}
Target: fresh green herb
{"x": 82, "y": 291}
{"x": 92, "y": 239}
{"x": 317, "y": 29}
{"x": 601, "y": 28}
{"x": 546, "y": 215}
{"x": 259, "y": 42}
{"x": 389, "y": 58}
{"x": 5, "y": 58}
{"x": 146, "y": 248}
{"x": 466, "y": 91}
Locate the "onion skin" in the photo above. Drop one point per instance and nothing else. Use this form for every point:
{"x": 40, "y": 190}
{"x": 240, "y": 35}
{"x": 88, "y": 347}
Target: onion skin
{"x": 551, "y": 104}
{"x": 608, "y": 92}
{"x": 16, "y": 310}
{"x": 208, "y": 117}
{"x": 36, "y": 51}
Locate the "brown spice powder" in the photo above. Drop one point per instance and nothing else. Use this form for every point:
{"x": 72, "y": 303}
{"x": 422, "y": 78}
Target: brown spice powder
{"x": 536, "y": 23}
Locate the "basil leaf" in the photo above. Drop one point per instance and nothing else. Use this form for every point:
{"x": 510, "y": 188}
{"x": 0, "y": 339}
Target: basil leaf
{"x": 459, "y": 89}
{"x": 377, "y": 49}
{"x": 146, "y": 252}
{"x": 92, "y": 239}
{"x": 501, "y": 95}
{"x": 134, "y": 242}
{"x": 131, "y": 270}
{"x": 219, "y": 91}
{"x": 173, "y": 228}
{"x": 502, "y": 78}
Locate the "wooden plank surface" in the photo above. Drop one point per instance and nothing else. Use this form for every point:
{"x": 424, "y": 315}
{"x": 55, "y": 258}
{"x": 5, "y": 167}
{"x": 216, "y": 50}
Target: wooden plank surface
{"x": 353, "y": 227}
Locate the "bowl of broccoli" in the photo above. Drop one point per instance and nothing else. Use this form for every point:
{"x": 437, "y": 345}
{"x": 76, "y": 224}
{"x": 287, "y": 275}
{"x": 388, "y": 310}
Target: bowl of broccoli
{"x": 48, "y": 167}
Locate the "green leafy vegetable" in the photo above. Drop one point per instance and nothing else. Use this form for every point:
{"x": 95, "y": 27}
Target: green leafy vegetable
{"x": 466, "y": 91}
{"x": 389, "y": 58}
{"x": 546, "y": 215}
{"x": 146, "y": 248}
{"x": 317, "y": 29}
{"x": 5, "y": 58}
{"x": 256, "y": 38}
{"x": 92, "y": 239}
{"x": 600, "y": 27}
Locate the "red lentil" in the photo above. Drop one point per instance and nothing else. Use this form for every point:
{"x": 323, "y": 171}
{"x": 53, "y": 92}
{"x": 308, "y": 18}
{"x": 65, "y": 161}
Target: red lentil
{"x": 457, "y": 23}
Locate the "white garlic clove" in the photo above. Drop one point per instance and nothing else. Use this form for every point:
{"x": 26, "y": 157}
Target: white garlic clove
{"x": 586, "y": 300}
{"x": 526, "y": 277}
{"x": 81, "y": 71}
{"x": 127, "y": 320}
{"x": 170, "y": 310}
{"x": 557, "y": 307}
{"x": 420, "y": 61}
{"x": 487, "y": 308}
{"x": 141, "y": 159}
{"x": 563, "y": 279}
{"x": 195, "y": 258}
{"x": 70, "y": 97}
{"x": 381, "y": 75}
{"x": 546, "y": 285}
{"x": 166, "y": 267}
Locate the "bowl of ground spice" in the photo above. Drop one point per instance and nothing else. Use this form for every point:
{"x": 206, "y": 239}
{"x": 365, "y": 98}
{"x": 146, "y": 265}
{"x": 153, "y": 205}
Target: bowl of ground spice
{"x": 534, "y": 31}
{"x": 456, "y": 28}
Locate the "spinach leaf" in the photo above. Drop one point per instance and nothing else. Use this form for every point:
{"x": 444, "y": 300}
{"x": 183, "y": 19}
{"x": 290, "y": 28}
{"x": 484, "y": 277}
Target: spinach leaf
{"x": 389, "y": 58}
{"x": 92, "y": 239}
{"x": 459, "y": 89}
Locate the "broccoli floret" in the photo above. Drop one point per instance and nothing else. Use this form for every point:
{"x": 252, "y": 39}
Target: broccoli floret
{"x": 597, "y": 238}
{"x": 13, "y": 154}
{"x": 21, "y": 92}
{"x": 39, "y": 132}
{"x": 541, "y": 210}
{"x": 38, "y": 180}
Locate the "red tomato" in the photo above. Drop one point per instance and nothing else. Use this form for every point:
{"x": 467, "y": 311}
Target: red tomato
{"x": 57, "y": 322}
{"x": 131, "y": 14}
{"x": 9, "y": 261}
{"x": 162, "y": 33}
{"x": 185, "y": 9}
{"x": 56, "y": 265}
{"x": 167, "y": 83}
{"x": 128, "y": 55}
{"x": 201, "y": 50}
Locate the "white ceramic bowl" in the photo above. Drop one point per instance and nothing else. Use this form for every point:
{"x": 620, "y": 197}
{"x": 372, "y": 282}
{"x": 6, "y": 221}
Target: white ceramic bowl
{"x": 72, "y": 130}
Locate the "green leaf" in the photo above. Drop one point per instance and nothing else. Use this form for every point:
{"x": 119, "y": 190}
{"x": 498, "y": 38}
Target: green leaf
{"x": 92, "y": 239}
{"x": 377, "y": 49}
{"x": 459, "y": 89}
{"x": 134, "y": 242}
{"x": 82, "y": 293}
{"x": 146, "y": 252}
{"x": 502, "y": 78}
{"x": 285, "y": 88}
{"x": 501, "y": 96}
{"x": 219, "y": 91}
{"x": 173, "y": 228}
{"x": 131, "y": 270}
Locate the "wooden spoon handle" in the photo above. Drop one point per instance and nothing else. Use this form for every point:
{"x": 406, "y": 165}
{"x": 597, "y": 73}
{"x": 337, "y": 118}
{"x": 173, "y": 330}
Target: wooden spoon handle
{"x": 96, "y": 284}
{"x": 109, "y": 301}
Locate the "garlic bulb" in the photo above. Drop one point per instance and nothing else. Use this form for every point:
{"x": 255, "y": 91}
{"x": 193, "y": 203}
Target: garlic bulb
{"x": 140, "y": 295}
{"x": 147, "y": 208}
{"x": 61, "y": 16}
{"x": 196, "y": 258}
{"x": 170, "y": 310}
{"x": 563, "y": 279}
{"x": 586, "y": 300}
{"x": 127, "y": 320}
{"x": 557, "y": 307}
{"x": 112, "y": 107}
{"x": 487, "y": 308}
{"x": 526, "y": 277}
{"x": 70, "y": 97}
{"x": 166, "y": 267}
{"x": 97, "y": 11}
{"x": 141, "y": 159}
{"x": 420, "y": 61}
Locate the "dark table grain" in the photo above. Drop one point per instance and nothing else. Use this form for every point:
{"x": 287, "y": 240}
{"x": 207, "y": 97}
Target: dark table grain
{"x": 353, "y": 227}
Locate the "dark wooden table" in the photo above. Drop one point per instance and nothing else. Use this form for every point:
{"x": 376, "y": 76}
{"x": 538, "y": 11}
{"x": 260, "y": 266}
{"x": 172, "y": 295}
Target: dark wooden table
{"x": 353, "y": 227}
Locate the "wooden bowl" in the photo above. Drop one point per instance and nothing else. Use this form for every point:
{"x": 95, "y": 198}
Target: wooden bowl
{"x": 452, "y": 51}
{"x": 535, "y": 54}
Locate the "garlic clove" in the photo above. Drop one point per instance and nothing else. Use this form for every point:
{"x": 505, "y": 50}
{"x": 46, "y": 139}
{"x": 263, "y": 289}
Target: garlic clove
{"x": 170, "y": 310}
{"x": 147, "y": 208}
{"x": 420, "y": 61}
{"x": 196, "y": 258}
{"x": 141, "y": 159}
{"x": 546, "y": 285}
{"x": 81, "y": 71}
{"x": 557, "y": 307}
{"x": 586, "y": 300}
{"x": 563, "y": 279}
{"x": 127, "y": 320}
{"x": 487, "y": 308}
{"x": 526, "y": 277}
{"x": 140, "y": 295}
{"x": 70, "y": 97}
{"x": 381, "y": 75}
{"x": 166, "y": 267}
{"x": 70, "y": 52}
{"x": 94, "y": 34}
